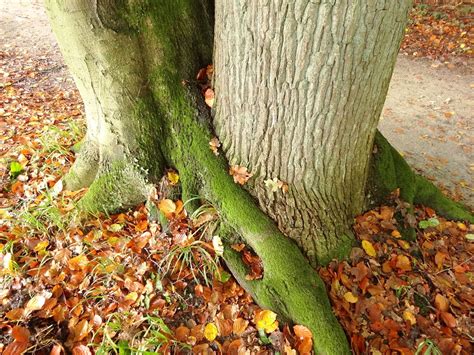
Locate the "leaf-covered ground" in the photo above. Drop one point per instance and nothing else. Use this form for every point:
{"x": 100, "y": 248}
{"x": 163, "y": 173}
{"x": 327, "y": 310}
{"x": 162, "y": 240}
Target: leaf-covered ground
{"x": 152, "y": 280}
{"x": 440, "y": 32}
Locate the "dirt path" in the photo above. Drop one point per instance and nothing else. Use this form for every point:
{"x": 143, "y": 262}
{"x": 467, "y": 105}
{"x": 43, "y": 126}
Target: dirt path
{"x": 428, "y": 114}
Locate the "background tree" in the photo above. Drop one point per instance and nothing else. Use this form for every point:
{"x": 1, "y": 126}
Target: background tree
{"x": 299, "y": 85}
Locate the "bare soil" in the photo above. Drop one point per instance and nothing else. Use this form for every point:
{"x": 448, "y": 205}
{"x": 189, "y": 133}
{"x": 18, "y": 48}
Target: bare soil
{"x": 428, "y": 115}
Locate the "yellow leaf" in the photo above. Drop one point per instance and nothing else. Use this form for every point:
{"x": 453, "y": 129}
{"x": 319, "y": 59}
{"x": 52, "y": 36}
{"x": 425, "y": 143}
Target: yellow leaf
{"x": 41, "y": 245}
{"x": 350, "y": 297}
{"x": 210, "y": 331}
{"x": 404, "y": 244}
{"x": 266, "y": 320}
{"x": 369, "y": 248}
{"x": 132, "y": 296}
{"x": 167, "y": 206}
{"x": 407, "y": 315}
{"x": 173, "y": 177}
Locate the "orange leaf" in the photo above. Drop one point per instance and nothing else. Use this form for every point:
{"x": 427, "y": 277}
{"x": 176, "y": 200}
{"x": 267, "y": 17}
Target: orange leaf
{"x": 439, "y": 259}
{"x": 448, "y": 319}
{"x": 15, "y": 348}
{"x": 57, "y": 350}
{"x": 167, "y": 206}
{"x": 182, "y": 333}
{"x": 239, "y": 326}
{"x": 441, "y": 303}
{"x": 214, "y": 144}
{"x": 78, "y": 263}
{"x": 81, "y": 330}
{"x": 16, "y": 314}
{"x": 302, "y": 332}
{"x": 305, "y": 346}
{"x": 403, "y": 263}
{"x": 20, "y": 334}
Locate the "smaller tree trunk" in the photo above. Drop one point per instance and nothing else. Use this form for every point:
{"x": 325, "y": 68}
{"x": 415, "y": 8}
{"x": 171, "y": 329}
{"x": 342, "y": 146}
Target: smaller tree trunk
{"x": 120, "y": 152}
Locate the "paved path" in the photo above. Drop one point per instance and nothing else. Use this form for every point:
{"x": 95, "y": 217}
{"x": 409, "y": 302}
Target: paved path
{"x": 428, "y": 113}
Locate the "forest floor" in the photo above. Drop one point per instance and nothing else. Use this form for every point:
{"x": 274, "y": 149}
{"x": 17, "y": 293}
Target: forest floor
{"x": 66, "y": 282}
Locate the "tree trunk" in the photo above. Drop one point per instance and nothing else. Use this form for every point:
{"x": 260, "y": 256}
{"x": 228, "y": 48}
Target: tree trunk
{"x": 300, "y": 87}
{"x": 299, "y": 84}
{"x": 120, "y": 151}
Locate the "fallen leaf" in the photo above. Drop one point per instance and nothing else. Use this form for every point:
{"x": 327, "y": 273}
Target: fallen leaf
{"x": 448, "y": 319}
{"x": 36, "y": 303}
{"x": 214, "y": 144}
{"x": 240, "y": 174}
{"x": 266, "y": 320}
{"x": 210, "y": 331}
{"x": 20, "y": 334}
{"x": 81, "y": 350}
{"x": 218, "y": 245}
{"x": 239, "y": 326}
{"x": 403, "y": 263}
{"x": 15, "y": 348}
{"x": 209, "y": 97}
{"x": 409, "y": 316}
{"x": 78, "y": 263}
{"x": 441, "y": 303}
{"x": 167, "y": 206}
{"x": 350, "y": 297}
{"x": 173, "y": 177}
{"x": 369, "y": 248}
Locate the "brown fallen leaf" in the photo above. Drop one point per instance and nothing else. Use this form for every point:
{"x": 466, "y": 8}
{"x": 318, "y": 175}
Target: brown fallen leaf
{"x": 240, "y": 174}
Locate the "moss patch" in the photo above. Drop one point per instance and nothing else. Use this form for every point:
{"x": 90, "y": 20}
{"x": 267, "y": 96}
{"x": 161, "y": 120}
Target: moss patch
{"x": 116, "y": 188}
{"x": 390, "y": 171}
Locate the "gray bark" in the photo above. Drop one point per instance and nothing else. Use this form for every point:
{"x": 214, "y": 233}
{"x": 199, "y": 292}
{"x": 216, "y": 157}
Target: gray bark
{"x": 300, "y": 86}
{"x": 105, "y": 60}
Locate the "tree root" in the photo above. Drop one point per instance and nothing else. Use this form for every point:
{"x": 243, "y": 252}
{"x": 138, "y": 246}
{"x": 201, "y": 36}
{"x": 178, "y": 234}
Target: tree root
{"x": 117, "y": 186}
{"x": 85, "y": 168}
{"x": 390, "y": 171}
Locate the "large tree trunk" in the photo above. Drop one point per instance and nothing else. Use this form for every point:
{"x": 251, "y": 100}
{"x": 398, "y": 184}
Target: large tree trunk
{"x": 300, "y": 87}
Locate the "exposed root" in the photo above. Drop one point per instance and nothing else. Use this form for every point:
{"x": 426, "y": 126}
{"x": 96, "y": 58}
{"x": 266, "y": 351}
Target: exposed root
{"x": 84, "y": 170}
{"x": 115, "y": 188}
{"x": 390, "y": 171}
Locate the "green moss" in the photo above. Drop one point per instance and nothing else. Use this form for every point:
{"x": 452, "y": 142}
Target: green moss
{"x": 182, "y": 42}
{"x": 390, "y": 171}
{"x": 147, "y": 127}
{"x": 115, "y": 189}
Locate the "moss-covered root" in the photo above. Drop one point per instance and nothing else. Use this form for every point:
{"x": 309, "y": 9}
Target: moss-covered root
{"x": 390, "y": 171}
{"x": 84, "y": 170}
{"x": 116, "y": 187}
{"x": 296, "y": 293}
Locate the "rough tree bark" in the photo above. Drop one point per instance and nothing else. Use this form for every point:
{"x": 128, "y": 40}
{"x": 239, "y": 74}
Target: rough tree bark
{"x": 299, "y": 85}
{"x": 307, "y": 84}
